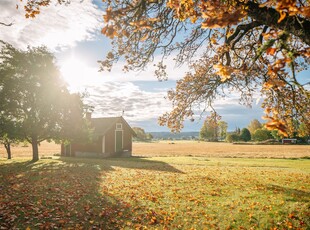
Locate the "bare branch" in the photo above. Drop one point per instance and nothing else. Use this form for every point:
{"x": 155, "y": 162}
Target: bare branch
{"x": 6, "y": 24}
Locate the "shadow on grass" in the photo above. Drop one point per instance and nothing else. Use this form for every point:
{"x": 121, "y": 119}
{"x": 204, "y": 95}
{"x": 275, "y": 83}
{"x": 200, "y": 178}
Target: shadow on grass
{"x": 292, "y": 194}
{"x": 67, "y": 193}
{"x": 130, "y": 163}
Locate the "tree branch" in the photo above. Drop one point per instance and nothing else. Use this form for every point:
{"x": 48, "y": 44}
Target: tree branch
{"x": 245, "y": 28}
{"x": 6, "y": 24}
{"x": 296, "y": 25}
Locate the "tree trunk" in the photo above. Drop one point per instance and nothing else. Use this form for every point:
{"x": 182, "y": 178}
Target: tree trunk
{"x": 35, "y": 150}
{"x": 8, "y": 150}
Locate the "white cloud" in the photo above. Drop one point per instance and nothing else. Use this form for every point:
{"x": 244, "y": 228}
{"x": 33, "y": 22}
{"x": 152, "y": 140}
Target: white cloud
{"x": 142, "y": 108}
{"x": 112, "y": 98}
{"x": 77, "y": 74}
{"x": 174, "y": 72}
{"x": 56, "y": 26}
{"x": 111, "y": 94}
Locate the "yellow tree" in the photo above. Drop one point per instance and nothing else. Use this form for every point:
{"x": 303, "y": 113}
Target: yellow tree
{"x": 254, "y": 125}
{"x": 240, "y": 45}
{"x": 210, "y": 128}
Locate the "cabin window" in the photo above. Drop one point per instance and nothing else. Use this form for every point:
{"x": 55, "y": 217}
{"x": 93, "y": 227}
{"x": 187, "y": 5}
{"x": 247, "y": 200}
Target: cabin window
{"x": 119, "y": 126}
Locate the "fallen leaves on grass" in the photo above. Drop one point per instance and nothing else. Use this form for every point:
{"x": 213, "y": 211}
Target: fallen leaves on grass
{"x": 145, "y": 194}
{"x": 53, "y": 195}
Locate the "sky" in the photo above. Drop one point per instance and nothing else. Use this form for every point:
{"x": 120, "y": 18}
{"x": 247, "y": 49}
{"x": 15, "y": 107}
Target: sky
{"x": 72, "y": 33}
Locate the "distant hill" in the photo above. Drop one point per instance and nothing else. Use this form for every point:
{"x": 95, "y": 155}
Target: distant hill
{"x": 175, "y": 136}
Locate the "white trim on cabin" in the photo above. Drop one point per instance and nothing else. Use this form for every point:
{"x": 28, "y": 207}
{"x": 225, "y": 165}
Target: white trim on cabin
{"x": 115, "y": 139}
{"x": 103, "y": 144}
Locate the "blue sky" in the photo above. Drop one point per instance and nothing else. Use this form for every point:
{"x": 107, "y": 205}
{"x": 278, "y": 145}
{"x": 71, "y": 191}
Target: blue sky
{"x": 72, "y": 33}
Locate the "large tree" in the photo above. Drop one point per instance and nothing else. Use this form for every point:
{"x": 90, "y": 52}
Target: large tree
{"x": 241, "y": 45}
{"x": 33, "y": 94}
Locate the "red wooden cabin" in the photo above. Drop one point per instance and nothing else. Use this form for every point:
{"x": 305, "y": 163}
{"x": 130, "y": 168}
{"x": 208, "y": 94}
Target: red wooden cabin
{"x": 112, "y": 137}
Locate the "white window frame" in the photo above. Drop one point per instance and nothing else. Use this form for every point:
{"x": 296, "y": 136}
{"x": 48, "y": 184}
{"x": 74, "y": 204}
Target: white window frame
{"x": 119, "y": 126}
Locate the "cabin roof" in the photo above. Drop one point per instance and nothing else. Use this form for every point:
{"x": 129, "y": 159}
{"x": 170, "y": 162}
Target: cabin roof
{"x": 103, "y": 124}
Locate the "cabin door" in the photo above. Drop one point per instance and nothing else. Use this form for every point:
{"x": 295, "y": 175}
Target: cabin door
{"x": 68, "y": 150}
{"x": 118, "y": 141}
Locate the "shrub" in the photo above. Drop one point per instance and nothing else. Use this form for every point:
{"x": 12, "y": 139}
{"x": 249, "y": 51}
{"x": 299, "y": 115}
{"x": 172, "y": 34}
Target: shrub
{"x": 262, "y": 135}
{"x": 232, "y": 137}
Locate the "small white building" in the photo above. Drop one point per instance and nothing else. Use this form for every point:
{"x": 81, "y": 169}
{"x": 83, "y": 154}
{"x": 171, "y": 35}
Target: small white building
{"x": 289, "y": 141}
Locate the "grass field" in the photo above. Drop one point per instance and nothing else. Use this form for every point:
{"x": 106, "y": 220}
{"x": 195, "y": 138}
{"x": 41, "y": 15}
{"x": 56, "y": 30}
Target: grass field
{"x": 186, "y": 148}
{"x": 163, "y": 192}
{"x": 219, "y": 149}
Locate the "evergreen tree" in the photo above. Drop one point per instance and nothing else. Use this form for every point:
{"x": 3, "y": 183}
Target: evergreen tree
{"x": 245, "y": 135}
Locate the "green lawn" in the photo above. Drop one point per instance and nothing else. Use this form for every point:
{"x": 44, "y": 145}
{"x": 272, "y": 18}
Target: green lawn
{"x": 155, "y": 193}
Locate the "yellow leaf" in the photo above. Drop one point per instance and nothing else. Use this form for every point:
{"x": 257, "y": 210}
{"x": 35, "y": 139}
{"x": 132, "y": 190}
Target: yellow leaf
{"x": 282, "y": 16}
{"x": 193, "y": 19}
{"x": 214, "y": 41}
{"x": 223, "y": 71}
{"x": 153, "y": 19}
{"x": 144, "y": 37}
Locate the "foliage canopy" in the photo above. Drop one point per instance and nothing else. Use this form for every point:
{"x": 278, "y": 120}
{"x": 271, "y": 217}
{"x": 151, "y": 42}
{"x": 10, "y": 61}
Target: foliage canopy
{"x": 230, "y": 45}
{"x": 34, "y": 97}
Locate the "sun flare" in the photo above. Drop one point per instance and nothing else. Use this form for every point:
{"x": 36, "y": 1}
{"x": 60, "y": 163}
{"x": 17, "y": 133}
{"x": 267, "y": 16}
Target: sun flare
{"x": 74, "y": 72}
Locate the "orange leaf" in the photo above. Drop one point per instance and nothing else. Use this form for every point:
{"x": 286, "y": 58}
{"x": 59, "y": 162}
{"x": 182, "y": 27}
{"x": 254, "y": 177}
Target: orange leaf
{"x": 271, "y": 51}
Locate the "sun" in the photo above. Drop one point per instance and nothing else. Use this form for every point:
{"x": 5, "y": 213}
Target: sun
{"x": 74, "y": 73}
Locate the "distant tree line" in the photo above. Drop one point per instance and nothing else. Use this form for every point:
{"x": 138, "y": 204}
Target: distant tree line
{"x": 141, "y": 135}
{"x": 214, "y": 129}
{"x": 35, "y": 102}
{"x": 258, "y": 132}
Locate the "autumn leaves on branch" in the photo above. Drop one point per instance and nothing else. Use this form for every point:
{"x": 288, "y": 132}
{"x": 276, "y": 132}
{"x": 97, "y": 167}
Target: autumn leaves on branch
{"x": 251, "y": 46}
{"x": 242, "y": 46}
